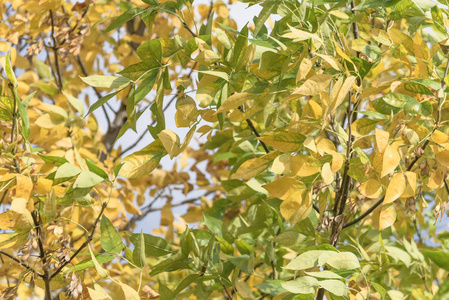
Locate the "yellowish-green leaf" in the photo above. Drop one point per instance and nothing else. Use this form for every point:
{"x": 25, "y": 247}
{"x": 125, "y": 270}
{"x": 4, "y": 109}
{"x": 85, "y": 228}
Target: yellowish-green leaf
{"x": 235, "y": 101}
{"x": 326, "y": 174}
{"x": 283, "y": 187}
{"x": 314, "y": 85}
{"x": 143, "y": 162}
{"x": 390, "y": 161}
{"x": 284, "y": 141}
{"x": 251, "y": 168}
{"x": 106, "y": 81}
{"x": 171, "y": 142}
{"x": 304, "y": 165}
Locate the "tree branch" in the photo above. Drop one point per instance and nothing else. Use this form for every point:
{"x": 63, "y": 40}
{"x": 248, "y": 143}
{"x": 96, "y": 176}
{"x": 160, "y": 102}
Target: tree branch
{"x": 251, "y": 125}
{"x": 21, "y": 263}
{"x": 84, "y": 245}
{"x": 55, "y": 49}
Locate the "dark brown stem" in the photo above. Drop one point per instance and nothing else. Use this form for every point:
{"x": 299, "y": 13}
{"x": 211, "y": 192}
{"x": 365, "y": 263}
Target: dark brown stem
{"x": 55, "y": 49}
{"x": 251, "y": 125}
{"x": 21, "y": 263}
{"x": 84, "y": 245}
{"x": 184, "y": 24}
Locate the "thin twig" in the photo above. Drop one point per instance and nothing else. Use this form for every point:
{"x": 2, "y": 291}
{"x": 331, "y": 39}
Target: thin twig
{"x": 55, "y": 49}
{"x": 84, "y": 245}
{"x": 184, "y": 24}
{"x": 42, "y": 255}
{"x": 21, "y": 263}
{"x": 251, "y": 125}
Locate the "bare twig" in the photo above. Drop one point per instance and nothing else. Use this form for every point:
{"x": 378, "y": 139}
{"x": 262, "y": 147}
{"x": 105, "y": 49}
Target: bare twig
{"x": 21, "y": 263}
{"x": 42, "y": 255}
{"x": 251, "y": 125}
{"x": 55, "y": 49}
{"x": 84, "y": 245}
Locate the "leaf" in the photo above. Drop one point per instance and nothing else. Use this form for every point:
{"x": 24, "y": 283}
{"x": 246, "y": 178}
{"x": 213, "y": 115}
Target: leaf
{"x": 324, "y": 274}
{"x": 19, "y": 205}
{"x": 125, "y": 17}
{"x": 283, "y": 187}
{"x": 87, "y": 179}
{"x": 75, "y": 102}
{"x": 443, "y": 291}
{"x": 8, "y": 69}
{"x": 390, "y": 161}
{"x": 100, "y": 102}
{"x": 343, "y": 261}
{"x": 67, "y": 171}
{"x": 7, "y": 220}
{"x": 106, "y": 81}
{"x": 299, "y": 35}
{"x": 50, "y": 206}
{"x": 387, "y": 217}
{"x": 100, "y": 270}
{"x": 441, "y": 259}
{"x": 395, "y": 188}
{"x": 235, "y": 101}
{"x": 304, "y": 165}
{"x": 143, "y": 162}
{"x": 251, "y": 168}
{"x": 129, "y": 292}
{"x": 110, "y": 239}
{"x": 284, "y": 141}
{"x": 301, "y": 285}
{"x": 306, "y": 260}
{"x": 96, "y": 170}
{"x": 336, "y": 287}
{"x": 171, "y": 142}
{"x": 314, "y": 85}
{"x": 154, "y": 246}
{"x": 443, "y": 158}
{"x": 139, "y": 251}
{"x": 379, "y": 289}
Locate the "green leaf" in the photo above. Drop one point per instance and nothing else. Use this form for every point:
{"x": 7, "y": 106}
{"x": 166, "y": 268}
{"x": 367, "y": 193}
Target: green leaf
{"x": 125, "y": 17}
{"x": 97, "y": 170}
{"x": 154, "y": 246}
{"x": 336, "y": 287}
{"x": 416, "y": 87}
{"x": 59, "y": 161}
{"x": 87, "y": 179}
{"x": 110, "y": 239}
{"x": 301, "y": 285}
{"x": 306, "y": 260}
{"x": 107, "y": 81}
{"x": 186, "y": 282}
{"x": 139, "y": 251}
{"x": 8, "y": 69}
{"x": 267, "y": 10}
{"x": 131, "y": 111}
{"x": 380, "y": 289}
{"x": 67, "y": 171}
{"x": 100, "y": 102}
{"x": 343, "y": 261}
{"x": 272, "y": 287}
{"x": 88, "y": 263}
{"x": 437, "y": 17}
{"x": 100, "y": 270}
{"x": 151, "y": 52}
{"x": 75, "y": 102}
{"x": 137, "y": 71}
{"x": 441, "y": 259}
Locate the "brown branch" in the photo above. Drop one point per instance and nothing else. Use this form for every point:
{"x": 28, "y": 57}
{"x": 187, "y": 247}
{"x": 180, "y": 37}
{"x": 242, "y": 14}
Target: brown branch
{"x": 21, "y": 263}
{"x": 366, "y": 213}
{"x": 251, "y": 125}
{"x": 42, "y": 256}
{"x": 55, "y": 49}
{"x": 84, "y": 245}
{"x": 184, "y": 24}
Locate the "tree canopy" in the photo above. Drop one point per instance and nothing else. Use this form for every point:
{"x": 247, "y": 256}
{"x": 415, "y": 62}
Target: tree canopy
{"x": 312, "y": 156}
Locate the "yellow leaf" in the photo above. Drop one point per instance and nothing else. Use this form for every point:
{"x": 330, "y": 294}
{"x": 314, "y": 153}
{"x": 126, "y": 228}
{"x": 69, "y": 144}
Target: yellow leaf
{"x": 7, "y": 220}
{"x": 24, "y": 186}
{"x": 395, "y": 188}
{"x": 235, "y": 101}
{"x": 290, "y": 205}
{"x": 281, "y": 164}
{"x": 437, "y": 177}
{"x": 251, "y": 168}
{"x": 304, "y": 165}
{"x": 371, "y": 189}
{"x": 283, "y": 187}
{"x": 381, "y": 138}
{"x": 331, "y": 61}
{"x": 143, "y": 162}
{"x": 207, "y": 57}
{"x": 390, "y": 161}
{"x": 298, "y": 35}
{"x": 186, "y": 112}
{"x": 337, "y": 161}
{"x": 193, "y": 214}
{"x": 387, "y": 217}
{"x": 171, "y": 142}
{"x": 96, "y": 295}
{"x": 309, "y": 143}
{"x": 129, "y": 292}
{"x": 314, "y": 85}
{"x": 304, "y": 68}
{"x": 440, "y": 137}
{"x": 43, "y": 186}
{"x": 19, "y": 205}
{"x": 410, "y": 189}
{"x": 284, "y": 141}
{"x": 8, "y": 240}
{"x": 443, "y": 158}
{"x": 344, "y": 90}
{"x": 326, "y": 174}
